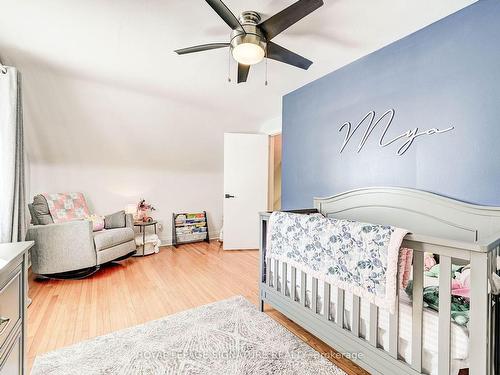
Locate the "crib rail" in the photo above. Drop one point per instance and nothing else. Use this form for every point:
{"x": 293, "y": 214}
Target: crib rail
{"x": 324, "y": 313}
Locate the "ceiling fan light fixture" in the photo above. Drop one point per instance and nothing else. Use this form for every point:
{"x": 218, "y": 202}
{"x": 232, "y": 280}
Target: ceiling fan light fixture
{"x": 250, "y": 39}
{"x": 248, "y": 53}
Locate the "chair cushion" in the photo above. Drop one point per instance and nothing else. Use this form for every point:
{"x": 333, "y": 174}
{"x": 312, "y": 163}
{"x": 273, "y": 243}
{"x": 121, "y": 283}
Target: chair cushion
{"x": 116, "y": 220}
{"x": 107, "y": 238}
{"x": 40, "y": 208}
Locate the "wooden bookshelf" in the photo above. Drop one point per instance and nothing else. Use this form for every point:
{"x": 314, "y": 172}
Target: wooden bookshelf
{"x": 189, "y": 227}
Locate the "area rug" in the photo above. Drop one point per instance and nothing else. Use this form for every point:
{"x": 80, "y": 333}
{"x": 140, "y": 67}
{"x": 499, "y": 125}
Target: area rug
{"x": 226, "y": 337}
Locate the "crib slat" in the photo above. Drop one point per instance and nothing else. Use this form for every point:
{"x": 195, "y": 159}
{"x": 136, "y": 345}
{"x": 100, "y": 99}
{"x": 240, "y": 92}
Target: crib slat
{"x": 340, "y": 308}
{"x": 394, "y": 331}
{"x": 355, "y": 315}
{"x": 284, "y": 280}
{"x": 416, "y": 332}
{"x": 293, "y": 285}
{"x": 478, "y": 323}
{"x": 326, "y": 301}
{"x": 373, "y": 324}
{"x": 276, "y": 273}
{"x": 444, "y": 314}
{"x": 268, "y": 272}
{"x": 314, "y": 299}
{"x": 303, "y": 288}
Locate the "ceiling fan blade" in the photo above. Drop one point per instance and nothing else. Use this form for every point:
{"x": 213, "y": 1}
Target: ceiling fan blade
{"x": 223, "y": 11}
{"x": 201, "y": 48}
{"x": 243, "y": 72}
{"x": 287, "y": 17}
{"x": 278, "y": 53}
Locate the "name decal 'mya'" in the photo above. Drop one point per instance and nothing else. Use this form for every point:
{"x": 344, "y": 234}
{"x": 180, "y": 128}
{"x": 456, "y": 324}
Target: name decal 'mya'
{"x": 408, "y": 137}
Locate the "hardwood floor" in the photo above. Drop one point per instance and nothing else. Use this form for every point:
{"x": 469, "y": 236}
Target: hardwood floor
{"x": 141, "y": 289}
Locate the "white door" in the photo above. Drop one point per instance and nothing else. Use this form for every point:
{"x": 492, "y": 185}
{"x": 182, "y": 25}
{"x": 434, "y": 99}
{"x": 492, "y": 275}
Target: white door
{"x": 245, "y": 188}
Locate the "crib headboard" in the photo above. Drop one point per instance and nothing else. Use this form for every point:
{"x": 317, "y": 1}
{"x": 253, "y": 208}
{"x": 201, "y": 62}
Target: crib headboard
{"x": 418, "y": 211}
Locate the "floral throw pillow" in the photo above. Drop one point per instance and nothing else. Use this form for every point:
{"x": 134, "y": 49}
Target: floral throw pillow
{"x": 97, "y": 222}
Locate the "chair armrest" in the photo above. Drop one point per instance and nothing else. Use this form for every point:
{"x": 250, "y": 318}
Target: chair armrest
{"x": 62, "y": 247}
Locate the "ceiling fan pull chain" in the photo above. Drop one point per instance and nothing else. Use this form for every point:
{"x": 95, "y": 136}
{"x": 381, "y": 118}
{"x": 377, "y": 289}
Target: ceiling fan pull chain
{"x": 229, "y": 66}
{"x": 265, "y": 83}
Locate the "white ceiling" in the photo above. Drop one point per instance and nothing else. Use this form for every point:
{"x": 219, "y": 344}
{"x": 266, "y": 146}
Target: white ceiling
{"x": 101, "y": 77}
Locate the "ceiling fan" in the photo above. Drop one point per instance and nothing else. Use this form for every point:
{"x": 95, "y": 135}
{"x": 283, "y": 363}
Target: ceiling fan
{"x": 250, "y": 39}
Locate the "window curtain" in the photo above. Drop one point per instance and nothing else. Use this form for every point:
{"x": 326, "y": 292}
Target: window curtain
{"x": 12, "y": 180}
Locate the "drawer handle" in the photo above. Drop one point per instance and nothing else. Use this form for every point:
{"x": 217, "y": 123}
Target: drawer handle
{"x": 4, "y": 323}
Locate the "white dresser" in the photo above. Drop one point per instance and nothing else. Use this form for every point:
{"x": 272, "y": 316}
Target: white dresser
{"x": 13, "y": 287}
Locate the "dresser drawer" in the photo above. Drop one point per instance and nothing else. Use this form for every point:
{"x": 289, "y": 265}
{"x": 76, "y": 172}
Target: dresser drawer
{"x": 10, "y": 306}
{"x": 12, "y": 363}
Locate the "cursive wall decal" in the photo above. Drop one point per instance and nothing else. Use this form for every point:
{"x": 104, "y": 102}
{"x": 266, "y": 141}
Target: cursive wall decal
{"x": 408, "y": 137}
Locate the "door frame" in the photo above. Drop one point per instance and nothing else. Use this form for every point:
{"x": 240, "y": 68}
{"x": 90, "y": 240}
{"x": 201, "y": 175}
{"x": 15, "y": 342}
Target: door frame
{"x": 275, "y": 157}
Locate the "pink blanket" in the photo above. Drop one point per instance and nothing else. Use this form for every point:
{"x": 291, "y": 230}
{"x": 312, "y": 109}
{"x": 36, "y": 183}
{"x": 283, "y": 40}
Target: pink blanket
{"x": 405, "y": 265}
{"x": 67, "y": 206}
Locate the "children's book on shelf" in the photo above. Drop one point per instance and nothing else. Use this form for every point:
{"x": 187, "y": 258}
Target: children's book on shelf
{"x": 189, "y": 228}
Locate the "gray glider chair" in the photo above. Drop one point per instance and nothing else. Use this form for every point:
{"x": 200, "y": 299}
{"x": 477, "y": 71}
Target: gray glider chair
{"x": 72, "y": 249}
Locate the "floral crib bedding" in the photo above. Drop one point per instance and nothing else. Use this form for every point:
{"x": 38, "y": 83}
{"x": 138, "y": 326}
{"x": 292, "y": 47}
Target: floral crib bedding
{"x": 361, "y": 258}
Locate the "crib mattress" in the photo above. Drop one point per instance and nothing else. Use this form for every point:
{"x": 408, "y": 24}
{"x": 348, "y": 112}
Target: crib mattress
{"x": 459, "y": 335}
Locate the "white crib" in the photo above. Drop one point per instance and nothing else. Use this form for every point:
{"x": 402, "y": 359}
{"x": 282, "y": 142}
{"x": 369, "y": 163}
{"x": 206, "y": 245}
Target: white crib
{"x": 459, "y": 233}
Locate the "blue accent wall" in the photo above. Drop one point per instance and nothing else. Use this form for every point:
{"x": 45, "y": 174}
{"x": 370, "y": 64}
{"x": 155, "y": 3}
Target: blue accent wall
{"x": 447, "y": 74}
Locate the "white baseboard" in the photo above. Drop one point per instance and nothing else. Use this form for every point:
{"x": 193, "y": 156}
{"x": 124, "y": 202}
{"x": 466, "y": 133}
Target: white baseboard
{"x": 168, "y": 241}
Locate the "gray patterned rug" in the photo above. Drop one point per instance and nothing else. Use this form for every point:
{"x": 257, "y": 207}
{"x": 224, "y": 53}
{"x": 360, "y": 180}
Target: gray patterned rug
{"x": 226, "y": 337}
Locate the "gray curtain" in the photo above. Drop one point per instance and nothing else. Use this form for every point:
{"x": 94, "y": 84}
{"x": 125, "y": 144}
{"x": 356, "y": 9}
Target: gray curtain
{"x": 12, "y": 157}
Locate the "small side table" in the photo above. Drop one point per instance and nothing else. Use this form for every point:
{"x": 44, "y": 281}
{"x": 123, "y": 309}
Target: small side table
{"x": 142, "y": 229}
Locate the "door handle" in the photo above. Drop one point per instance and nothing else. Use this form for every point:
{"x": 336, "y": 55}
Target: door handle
{"x": 227, "y": 196}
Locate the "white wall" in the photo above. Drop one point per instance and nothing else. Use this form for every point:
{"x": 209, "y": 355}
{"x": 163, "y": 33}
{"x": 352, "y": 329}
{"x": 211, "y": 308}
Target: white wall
{"x": 272, "y": 126}
{"x": 118, "y": 143}
{"x": 109, "y": 189}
